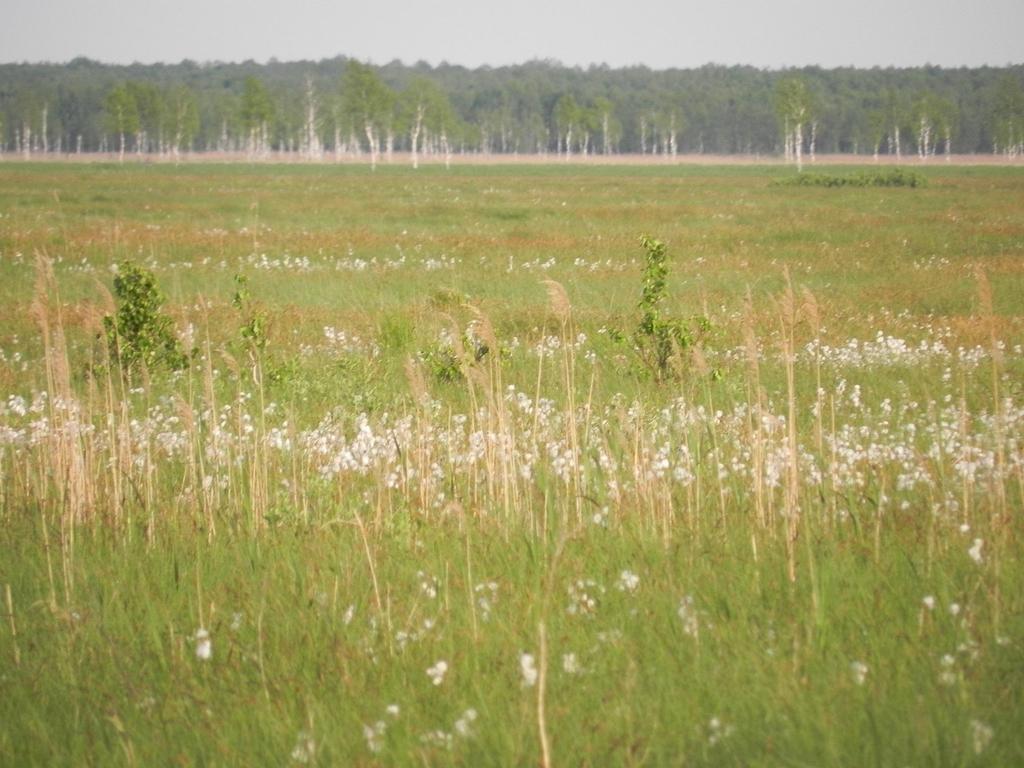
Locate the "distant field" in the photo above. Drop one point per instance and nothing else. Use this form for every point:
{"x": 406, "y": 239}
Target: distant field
{"x": 421, "y": 494}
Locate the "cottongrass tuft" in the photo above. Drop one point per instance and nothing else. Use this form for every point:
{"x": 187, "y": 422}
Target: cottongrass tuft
{"x": 688, "y": 615}
{"x": 859, "y": 671}
{"x": 571, "y": 664}
{"x": 975, "y": 551}
{"x": 628, "y": 582}
{"x": 305, "y": 748}
{"x": 204, "y": 646}
{"x": 981, "y": 736}
{"x": 437, "y": 672}
{"x": 528, "y": 669}
{"x": 464, "y": 725}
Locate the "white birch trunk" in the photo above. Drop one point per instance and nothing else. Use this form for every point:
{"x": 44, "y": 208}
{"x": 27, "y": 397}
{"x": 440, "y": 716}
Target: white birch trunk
{"x": 414, "y": 135}
{"x": 371, "y": 139}
{"x": 43, "y": 133}
{"x": 447, "y": 149}
{"x": 310, "y": 139}
{"x": 798, "y": 142}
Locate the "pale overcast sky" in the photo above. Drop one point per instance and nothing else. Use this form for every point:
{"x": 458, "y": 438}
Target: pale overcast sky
{"x": 657, "y": 33}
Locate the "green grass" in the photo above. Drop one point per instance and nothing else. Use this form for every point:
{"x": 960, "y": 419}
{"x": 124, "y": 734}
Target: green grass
{"x": 231, "y": 497}
{"x": 118, "y": 679}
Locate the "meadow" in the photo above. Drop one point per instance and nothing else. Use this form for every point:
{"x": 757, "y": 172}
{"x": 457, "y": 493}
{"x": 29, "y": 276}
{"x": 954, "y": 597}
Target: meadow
{"x": 425, "y": 491}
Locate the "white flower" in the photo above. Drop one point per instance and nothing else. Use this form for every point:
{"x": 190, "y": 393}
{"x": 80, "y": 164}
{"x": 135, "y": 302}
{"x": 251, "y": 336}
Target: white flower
{"x": 528, "y": 669}
{"x": 570, "y": 664}
{"x": 204, "y": 647}
{"x": 581, "y": 596}
{"x": 628, "y": 582}
{"x": 928, "y": 601}
{"x": 463, "y": 726}
{"x": 374, "y": 735}
{"x": 975, "y": 551}
{"x": 305, "y": 748}
{"x": 437, "y": 672}
{"x": 718, "y": 731}
{"x": 859, "y": 670}
{"x": 437, "y": 739}
{"x": 981, "y": 736}
{"x": 947, "y": 676}
{"x": 428, "y": 584}
{"x": 688, "y": 615}
{"x": 954, "y": 609}
{"x": 393, "y": 710}
{"x": 487, "y": 595}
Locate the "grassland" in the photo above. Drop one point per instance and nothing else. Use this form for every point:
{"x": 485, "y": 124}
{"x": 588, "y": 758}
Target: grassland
{"x": 439, "y": 514}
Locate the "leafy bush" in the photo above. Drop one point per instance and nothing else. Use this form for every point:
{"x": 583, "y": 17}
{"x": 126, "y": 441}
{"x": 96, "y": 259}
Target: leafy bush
{"x": 442, "y": 362}
{"x": 893, "y": 177}
{"x": 139, "y": 332}
{"x": 658, "y": 336}
{"x": 253, "y": 329}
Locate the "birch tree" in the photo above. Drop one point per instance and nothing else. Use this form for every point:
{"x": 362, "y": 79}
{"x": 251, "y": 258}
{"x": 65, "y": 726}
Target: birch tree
{"x": 182, "y": 119}
{"x": 122, "y": 116}
{"x": 946, "y": 117}
{"x": 256, "y": 113}
{"x": 423, "y": 107}
{"x": 793, "y": 108}
{"x": 369, "y": 104}
{"x": 877, "y": 126}
{"x": 149, "y": 111}
{"x": 1008, "y": 118}
{"x": 611, "y": 129}
{"x": 443, "y": 126}
{"x": 312, "y": 149}
{"x": 895, "y": 116}
{"x": 567, "y": 117}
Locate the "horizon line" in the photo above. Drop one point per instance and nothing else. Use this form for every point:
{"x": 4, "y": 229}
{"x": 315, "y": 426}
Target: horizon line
{"x": 550, "y": 61}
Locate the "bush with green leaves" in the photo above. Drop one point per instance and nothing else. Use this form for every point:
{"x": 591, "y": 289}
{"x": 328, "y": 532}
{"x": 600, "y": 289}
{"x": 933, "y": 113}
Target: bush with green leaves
{"x": 659, "y": 336}
{"x": 254, "y": 322}
{"x": 894, "y": 177}
{"x": 139, "y": 333}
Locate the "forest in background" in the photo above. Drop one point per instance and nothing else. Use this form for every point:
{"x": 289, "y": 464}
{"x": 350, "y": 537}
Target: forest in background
{"x": 339, "y": 107}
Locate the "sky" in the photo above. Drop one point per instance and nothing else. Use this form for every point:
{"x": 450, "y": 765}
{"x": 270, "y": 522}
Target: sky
{"x": 656, "y": 33}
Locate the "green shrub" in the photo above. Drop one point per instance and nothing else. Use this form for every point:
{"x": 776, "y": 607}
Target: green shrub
{"x": 139, "y": 332}
{"x": 658, "y": 336}
{"x": 893, "y": 177}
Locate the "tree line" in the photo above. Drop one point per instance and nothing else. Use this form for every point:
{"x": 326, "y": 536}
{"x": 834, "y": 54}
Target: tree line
{"x": 343, "y": 108}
